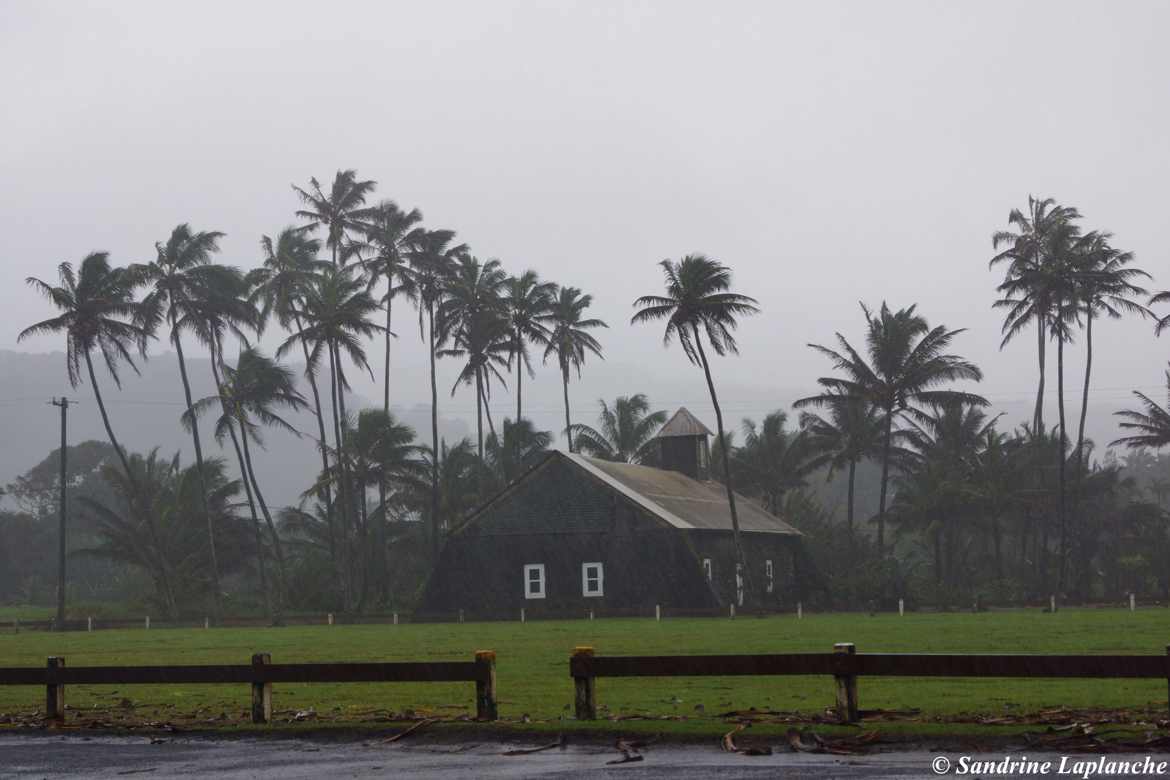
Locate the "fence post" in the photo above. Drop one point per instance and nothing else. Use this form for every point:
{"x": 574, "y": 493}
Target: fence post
{"x": 521, "y": 614}
{"x": 485, "y": 686}
{"x": 89, "y": 624}
{"x": 207, "y": 622}
{"x": 329, "y": 619}
{"x": 846, "y": 683}
{"x": 1052, "y": 604}
{"x": 658, "y": 612}
{"x": 460, "y": 616}
{"x": 395, "y": 618}
{"x": 261, "y": 691}
{"x": 54, "y": 691}
{"x": 731, "y": 611}
{"x": 1132, "y": 604}
{"x": 148, "y": 622}
{"x": 1168, "y": 661}
{"x": 590, "y": 614}
{"x": 799, "y": 610}
{"x": 585, "y": 698}
{"x": 901, "y": 608}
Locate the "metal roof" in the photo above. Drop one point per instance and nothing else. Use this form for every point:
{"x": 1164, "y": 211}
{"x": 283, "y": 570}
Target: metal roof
{"x": 677, "y": 499}
{"x": 683, "y": 423}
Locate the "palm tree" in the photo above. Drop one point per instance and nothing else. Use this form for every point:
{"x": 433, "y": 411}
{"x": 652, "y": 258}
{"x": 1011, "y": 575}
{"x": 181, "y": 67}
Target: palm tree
{"x": 907, "y": 360}
{"x": 1028, "y": 284}
{"x": 773, "y": 461}
{"x": 626, "y": 431}
{"x": 433, "y": 264}
{"x": 98, "y": 312}
{"x": 340, "y": 212}
{"x": 527, "y": 300}
{"x": 1150, "y": 427}
{"x": 509, "y": 455}
{"x": 851, "y": 433}
{"x": 279, "y": 286}
{"x": 569, "y": 340}
{"x": 336, "y": 311}
{"x": 1104, "y": 286}
{"x": 1163, "y": 322}
{"x": 251, "y": 396}
{"x": 471, "y": 315}
{"x": 380, "y": 452}
{"x": 182, "y": 284}
{"x": 697, "y": 304}
{"x": 391, "y": 234}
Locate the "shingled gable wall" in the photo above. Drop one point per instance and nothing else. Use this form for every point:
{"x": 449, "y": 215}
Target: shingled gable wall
{"x": 562, "y": 517}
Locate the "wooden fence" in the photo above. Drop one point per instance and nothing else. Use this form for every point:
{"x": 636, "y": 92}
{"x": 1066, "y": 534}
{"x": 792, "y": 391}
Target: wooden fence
{"x": 846, "y": 665}
{"x": 260, "y": 674}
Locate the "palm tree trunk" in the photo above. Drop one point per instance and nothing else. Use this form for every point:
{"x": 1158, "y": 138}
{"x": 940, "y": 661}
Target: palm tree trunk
{"x": 434, "y": 435}
{"x": 519, "y": 373}
{"x": 479, "y": 412}
{"x": 216, "y": 608}
{"x": 323, "y": 445}
{"x": 277, "y": 548}
{"x": 262, "y": 567}
{"x": 487, "y": 412}
{"x": 1085, "y": 391}
{"x": 152, "y": 528}
{"x": 735, "y": 534}
{"x": 568, "y": 425}
{"x": 363, "y": 510}
{"x": 382, "y": 566}
{"x": 1041, "y": 341}
{"x": 343, "y": 490}
{"x": 887, "y": 438}
{"x": 1060, "y": 506}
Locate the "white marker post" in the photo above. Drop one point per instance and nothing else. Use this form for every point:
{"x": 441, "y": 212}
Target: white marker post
{"x": 658, "y": 612}
{"x": 460, "y": 616}
{"x": 1132, "y": 604}
{"x": 1052, "y": 604}
{"x": 89, "y": 624}
{"x": 148, "y": 622}
{"x": 395, "y": 618}
{"x": 521, "y": 614}
{"x": 731, "y": 611}
{"x": 206, "y": 622}
{"x": 590, "y": 614}
{"x": 329, "y": 619}
{"x": 799, "y": 610}
{"x": 901, "y": 608}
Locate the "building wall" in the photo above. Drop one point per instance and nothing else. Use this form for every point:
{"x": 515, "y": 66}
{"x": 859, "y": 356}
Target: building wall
{"x": 563, "y": 518}
{"x": 758, "y": 548}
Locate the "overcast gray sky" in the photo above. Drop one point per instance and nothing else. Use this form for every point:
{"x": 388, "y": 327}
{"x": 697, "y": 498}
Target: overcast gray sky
{"x": 828, "y": 152}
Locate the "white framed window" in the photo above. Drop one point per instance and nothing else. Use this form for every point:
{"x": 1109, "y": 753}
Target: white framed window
{"x": 707, "y": 568}
{"x": 534, "y": 580}
{"x": 592, "y": 579}
{"x": 769, "y": 575}
{"x": 739, "y": 584}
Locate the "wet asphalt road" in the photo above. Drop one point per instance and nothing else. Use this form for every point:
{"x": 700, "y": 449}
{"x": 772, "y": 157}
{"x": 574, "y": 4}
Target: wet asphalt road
{"x": 40, "y": 756}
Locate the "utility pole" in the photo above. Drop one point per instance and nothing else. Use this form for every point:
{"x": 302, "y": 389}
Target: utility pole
{"x": 63, "y": 404}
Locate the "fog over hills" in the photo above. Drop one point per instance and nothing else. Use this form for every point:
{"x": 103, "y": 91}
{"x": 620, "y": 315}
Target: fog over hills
{"x": 145, "y": 411}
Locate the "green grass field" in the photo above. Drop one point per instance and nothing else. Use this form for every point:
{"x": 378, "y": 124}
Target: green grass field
{"x": 533, "y": 676}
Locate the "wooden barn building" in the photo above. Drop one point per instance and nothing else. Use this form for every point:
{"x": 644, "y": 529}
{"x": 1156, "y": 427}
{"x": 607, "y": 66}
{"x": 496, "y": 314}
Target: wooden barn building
{"x": 576, "y": 533}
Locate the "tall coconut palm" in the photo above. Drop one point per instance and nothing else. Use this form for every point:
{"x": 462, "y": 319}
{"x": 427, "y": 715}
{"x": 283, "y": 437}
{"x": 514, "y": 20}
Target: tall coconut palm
{"x": 182, "y": 283}
{"x": 527, "y": 300}
{"x": 391, "y": 235}
{"x": 1149, "y": 427}
{"x": 907, "y": 362}
{"x": 1028, "y": 282}
{"x": 341, "y": 212}
{"x": 1104, "y": 286}
{"x": 252, "y": 395}
{"x": 433, "y": 263}
{"x": 698, "y": 304}
{"x": 517, "y": 449}
{"x": 851, "y": 432}
{"x": 279, "y": 286}
{"x": 98, "y": 312}
{"x": 625, "y": 433}
{"x": 471, "y": 315}
{"x": 569, "y": 339}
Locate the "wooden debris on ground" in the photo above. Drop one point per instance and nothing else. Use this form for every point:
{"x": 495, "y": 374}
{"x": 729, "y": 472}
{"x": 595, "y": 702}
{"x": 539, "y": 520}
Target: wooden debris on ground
{"x": 559, "y": 744}
{"x": 629, "y": 750}
{"x": 420, "y": 724}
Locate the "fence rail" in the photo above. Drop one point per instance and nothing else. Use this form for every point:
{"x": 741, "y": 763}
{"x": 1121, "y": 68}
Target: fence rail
{"x": 260, "y": 674}
{"x": 846, "y": 665}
